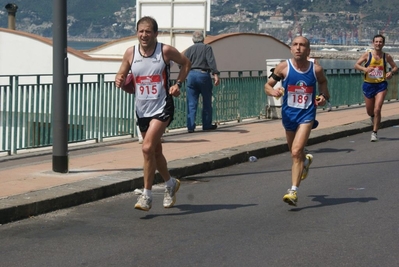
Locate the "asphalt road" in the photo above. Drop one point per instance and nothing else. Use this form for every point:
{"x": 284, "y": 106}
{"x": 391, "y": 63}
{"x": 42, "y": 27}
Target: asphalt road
{"x": 347, "y": 215}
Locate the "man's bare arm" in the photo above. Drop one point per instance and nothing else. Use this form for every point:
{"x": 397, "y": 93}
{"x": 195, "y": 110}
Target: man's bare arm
{"x": 322, "y": 84}
{"x": 124, "y": 68}
{"x": 394, "y": 67}
{"x": 279, "y": 74}
{"x": 172, "y": 54}
{"x": 359, "y": 63}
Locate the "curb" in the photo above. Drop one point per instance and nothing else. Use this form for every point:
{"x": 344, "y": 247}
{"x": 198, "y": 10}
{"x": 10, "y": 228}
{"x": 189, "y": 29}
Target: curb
{"x": 43, "y": 201}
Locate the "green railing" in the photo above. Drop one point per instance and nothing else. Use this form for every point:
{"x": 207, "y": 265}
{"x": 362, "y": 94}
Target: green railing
{"x": 98, "y": 110}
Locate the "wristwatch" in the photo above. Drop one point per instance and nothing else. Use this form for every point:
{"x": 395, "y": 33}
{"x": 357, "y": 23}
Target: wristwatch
{"x": 179, "y": 84}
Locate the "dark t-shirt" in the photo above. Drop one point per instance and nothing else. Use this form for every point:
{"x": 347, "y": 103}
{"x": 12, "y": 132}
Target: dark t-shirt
{"x": 201, "y": 57}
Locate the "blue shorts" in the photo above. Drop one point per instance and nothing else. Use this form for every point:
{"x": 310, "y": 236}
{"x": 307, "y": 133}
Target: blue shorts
{"x": 370, "y": 90}
{"x": 293, "y": 126}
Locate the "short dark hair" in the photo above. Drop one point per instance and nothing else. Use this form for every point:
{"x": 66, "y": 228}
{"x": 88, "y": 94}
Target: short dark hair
{"x": 379, "y": 36}
{"x": 149, "y": 20}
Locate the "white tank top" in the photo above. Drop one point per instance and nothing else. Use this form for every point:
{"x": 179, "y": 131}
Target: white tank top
{"x": 151, "y": 79}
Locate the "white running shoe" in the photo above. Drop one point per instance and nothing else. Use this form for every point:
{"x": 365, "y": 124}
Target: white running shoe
{"x": 374, "y": 137}
{"x": 144, "y": 202}
{"x": 169, "y": 198}
{"x": 329, "y": 107}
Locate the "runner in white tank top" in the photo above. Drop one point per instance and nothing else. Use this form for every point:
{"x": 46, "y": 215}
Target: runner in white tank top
{"x": 149, "y": 63}
{"x": 151, "y": 79}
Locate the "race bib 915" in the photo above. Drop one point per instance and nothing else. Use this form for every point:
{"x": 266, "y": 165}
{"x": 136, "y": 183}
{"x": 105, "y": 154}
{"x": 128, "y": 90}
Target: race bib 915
{"x": 148, "y": 87}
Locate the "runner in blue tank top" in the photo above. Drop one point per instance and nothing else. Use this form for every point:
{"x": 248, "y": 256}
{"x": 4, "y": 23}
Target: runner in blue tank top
{"x": 299, "y": 78}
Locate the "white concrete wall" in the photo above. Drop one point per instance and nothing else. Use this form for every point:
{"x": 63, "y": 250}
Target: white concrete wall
{"x": 22, "y": 53}
{"x": 117, "y": 48}
{"x": 26, "y": 54}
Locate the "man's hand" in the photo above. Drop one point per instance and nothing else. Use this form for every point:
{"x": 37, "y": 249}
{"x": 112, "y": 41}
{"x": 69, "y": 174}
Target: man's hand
{"x": 320, "y": 100}
{"x": 277, "y": 93}
{"x": 119, "y": 80}
{"x": 174, "y": 90}
{"x": 217, "y": 81}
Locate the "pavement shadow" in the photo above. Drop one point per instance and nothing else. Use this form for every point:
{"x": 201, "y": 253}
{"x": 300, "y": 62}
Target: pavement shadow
{"x": 192, "y": 209}
{"x": 188, "y": 141}
{"x": 324, "y": 202}
{"x": 229, "y": 130}
{"x": 331, "y": 150}
{"x": 106, "y": 170}
{"x": 387, "y": 139}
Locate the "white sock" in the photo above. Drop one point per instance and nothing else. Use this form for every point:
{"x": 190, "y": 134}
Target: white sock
{"x": 169, "y": 183}
{"x": 147, "y": 192}
{"x": 295, "y": 188}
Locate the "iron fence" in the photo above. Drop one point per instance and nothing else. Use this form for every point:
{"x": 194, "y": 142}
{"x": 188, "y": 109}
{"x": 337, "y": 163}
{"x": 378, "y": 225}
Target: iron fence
{"x": 98, "y": 110}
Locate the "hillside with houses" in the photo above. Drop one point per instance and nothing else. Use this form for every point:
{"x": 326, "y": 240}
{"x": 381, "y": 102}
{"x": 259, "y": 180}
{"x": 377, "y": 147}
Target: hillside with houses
{"x": 343, "y": 22}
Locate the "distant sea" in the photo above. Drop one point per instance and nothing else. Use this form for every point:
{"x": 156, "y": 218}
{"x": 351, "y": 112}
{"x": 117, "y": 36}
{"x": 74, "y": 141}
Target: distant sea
{"x": 326, "y": 63}
{"x": 337, "y": 63}
{"x": 80, "y": 45}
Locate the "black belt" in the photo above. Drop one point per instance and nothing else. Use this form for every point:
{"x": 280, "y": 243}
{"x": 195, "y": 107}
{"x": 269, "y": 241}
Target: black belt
{"x": 202, "y": 70}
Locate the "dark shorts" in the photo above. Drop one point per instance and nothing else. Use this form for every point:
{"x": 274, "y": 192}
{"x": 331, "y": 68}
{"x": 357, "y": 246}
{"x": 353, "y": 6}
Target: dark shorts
{"x": 144, "y": 123}
{"x": 370, "y": 90}
{"x": 167, "y": 114}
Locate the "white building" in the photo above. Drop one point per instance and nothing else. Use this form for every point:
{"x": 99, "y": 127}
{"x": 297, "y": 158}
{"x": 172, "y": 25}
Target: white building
{"x": 23, "y": 53}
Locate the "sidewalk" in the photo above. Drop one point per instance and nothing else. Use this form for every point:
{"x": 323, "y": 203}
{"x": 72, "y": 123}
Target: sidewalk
{"x": 29, "y": 187}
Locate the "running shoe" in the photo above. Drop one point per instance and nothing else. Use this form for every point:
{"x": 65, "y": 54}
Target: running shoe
{"x": 306, "y": 165}
{"x": 291, "y": 197}
{"x": 329, "y": 107}
{"x": 372, "y": 120}
{"x": 144, "y": 202}
{"x": 374, "y": 137}
{"x": 169, "y": 198}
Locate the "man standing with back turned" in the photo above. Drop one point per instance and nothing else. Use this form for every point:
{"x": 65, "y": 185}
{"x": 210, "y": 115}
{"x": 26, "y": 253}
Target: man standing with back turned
{"x": 375, "y": 85}
{"x": 299, "y": 77}
{"x": 149, "y": 63}
{"x": 200, "y": 82}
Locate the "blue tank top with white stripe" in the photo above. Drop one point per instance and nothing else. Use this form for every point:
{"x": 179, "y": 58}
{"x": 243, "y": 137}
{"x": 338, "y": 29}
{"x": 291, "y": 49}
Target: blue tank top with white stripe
{"x": 299, "y": 96}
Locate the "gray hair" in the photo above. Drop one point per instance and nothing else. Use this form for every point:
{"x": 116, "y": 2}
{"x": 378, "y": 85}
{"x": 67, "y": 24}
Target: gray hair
{"x": 198, "y": 37}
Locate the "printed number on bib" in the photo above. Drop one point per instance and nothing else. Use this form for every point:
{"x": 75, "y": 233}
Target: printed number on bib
{"x": 148, "y": 87}
{"x": 299, "y": 96}
{"x": 377, "y": 72}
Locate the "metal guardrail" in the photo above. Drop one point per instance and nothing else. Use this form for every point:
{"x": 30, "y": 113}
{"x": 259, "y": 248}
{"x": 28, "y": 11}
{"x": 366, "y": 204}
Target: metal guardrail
{"x": 98, "y": 110}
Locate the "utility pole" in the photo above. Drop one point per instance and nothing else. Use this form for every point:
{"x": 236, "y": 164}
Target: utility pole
{"x": 60, "y": 88}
